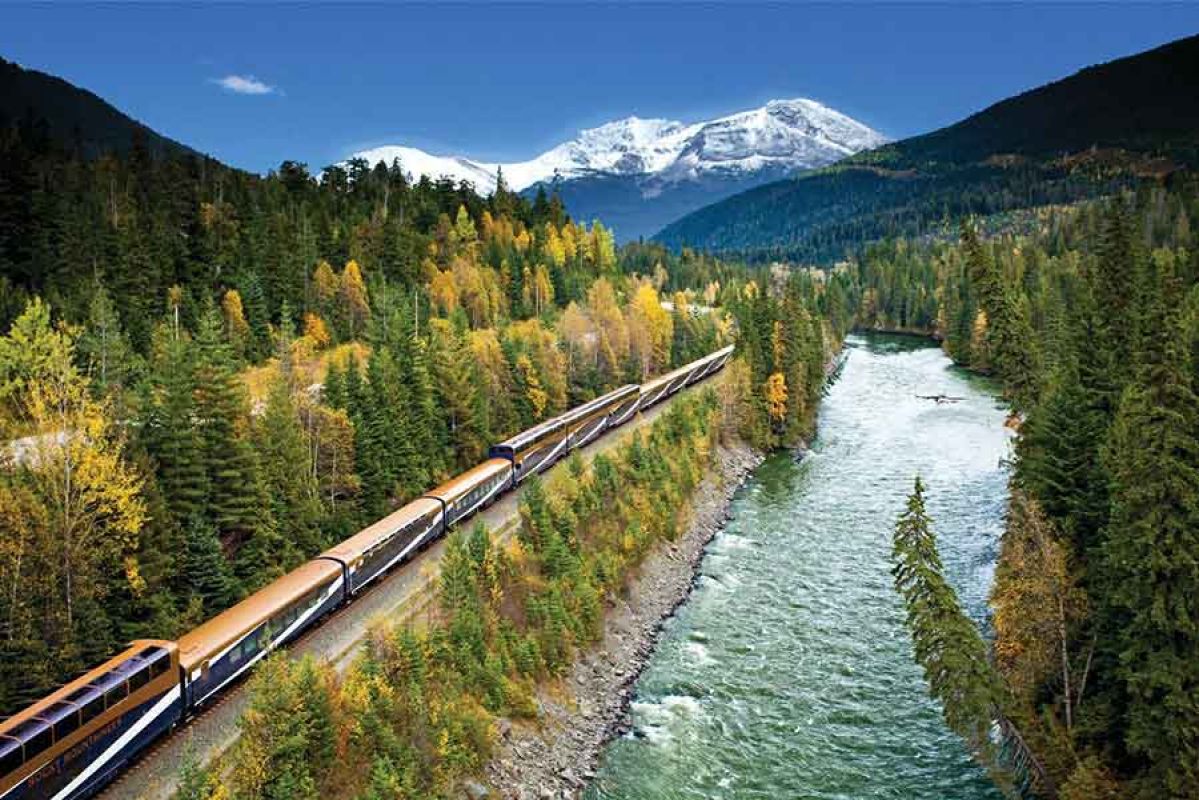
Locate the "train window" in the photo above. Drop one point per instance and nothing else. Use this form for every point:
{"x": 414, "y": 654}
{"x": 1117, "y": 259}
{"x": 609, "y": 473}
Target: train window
{"x": 64, "y": 717}
{"x": 35, "y": 735}
{"x": 160, "y": 662}
{"x": 10, "y": 755}
{"x": 116, "y": 694}
{"x": 139, "y": 679}
{"x": 90, "y": 702}
{"x": 237, "y": 652}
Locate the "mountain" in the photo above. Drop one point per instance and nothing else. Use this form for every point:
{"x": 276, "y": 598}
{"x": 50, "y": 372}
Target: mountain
{"x": 74, "y": 116}
{"x": 1104, "y": 127}
{"x": 638, "y": 174}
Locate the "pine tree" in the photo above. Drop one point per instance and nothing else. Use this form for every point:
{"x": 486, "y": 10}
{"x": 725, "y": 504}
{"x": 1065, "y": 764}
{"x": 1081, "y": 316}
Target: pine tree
{"x": 947, "y": 643}
{"x": 458, "y": 395}
{"x": 107, "y": 354}
{"x": 205, "y": 573}
{"x": 170, "y": 433}
{"x": 1150, "y": 614}
{"x": 334, "y": 391}
{"x": 287, "y": 471}
{"x": 236, "y": 502}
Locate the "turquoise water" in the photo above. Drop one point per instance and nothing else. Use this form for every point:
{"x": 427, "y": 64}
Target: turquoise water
{"x": 788, "y": 673}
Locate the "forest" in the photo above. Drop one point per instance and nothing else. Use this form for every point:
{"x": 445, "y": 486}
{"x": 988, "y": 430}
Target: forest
{"x": 415, "y": 713}
{"x": 1106, "y": 128}
{"x": 231, "y": 372}
{"x": 1090, "y": 321}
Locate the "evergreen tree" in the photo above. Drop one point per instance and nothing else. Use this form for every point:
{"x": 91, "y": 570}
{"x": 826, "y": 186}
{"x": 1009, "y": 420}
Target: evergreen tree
{"x": 236, "y": 503}
{"x": 285, "y": 456}
{"x": 1150, "y": 612}
{"x": 947, "y": 643}
{"x": 170, "y": 433}
{"x": 205, "y": 573}
{"x": 107, "y": 354}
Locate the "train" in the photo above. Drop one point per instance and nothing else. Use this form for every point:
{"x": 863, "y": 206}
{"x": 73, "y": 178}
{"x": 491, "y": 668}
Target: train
{"x": 71, "y": 744}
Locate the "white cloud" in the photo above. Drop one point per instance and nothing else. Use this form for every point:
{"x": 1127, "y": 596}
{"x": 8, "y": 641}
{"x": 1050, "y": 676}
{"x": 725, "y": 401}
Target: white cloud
{"x": 244, "y": 84}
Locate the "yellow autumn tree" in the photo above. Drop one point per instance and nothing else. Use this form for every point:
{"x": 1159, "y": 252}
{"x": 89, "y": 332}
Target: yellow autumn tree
{"x": 443, "y": 291}
{"x": 355, "y": 306}
{"x": 570, "y": 241}
{"x": 579, "y": 339}
{"x": 1038, "y": 608}
{"x": 533, "y": 339}
{"x": 776, "y": 398}
{"x": 541, "y": 290}
{"x": 612, "y": 329}
{"x": 316, "y": 331}
{"x": 601, "y": 247}
{"x": 555, "y": 250}
{"x": 324, "y": 287}
{"x": 237, "y": 330}
{"x": 532, "y": 392}
{"x": 72, "y": 502}
{"x": 980, "y": 356}
{"x": 651, "y": 330}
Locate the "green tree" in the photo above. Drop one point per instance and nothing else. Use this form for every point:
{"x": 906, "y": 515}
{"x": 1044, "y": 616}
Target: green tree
{"x": 947, "y": 643}
{"x": 1151, "y": 557}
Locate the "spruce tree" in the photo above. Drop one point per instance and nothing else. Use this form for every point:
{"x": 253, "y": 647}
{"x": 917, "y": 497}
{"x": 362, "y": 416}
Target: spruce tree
{"x": 171, "y": 435}
{"x": 1150, "y": 611}
{"x": 205, "y": 572}
{"x": 236, "y": 503}
{"x": 287, "y": 473}
{"x": 947, "y": 643}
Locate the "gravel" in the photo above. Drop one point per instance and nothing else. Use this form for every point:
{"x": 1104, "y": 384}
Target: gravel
{"x": 556, "y": 755}
{"x": 402, "y": 595}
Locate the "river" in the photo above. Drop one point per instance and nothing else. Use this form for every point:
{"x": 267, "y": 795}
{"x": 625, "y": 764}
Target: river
{"x": 789, "y": 673}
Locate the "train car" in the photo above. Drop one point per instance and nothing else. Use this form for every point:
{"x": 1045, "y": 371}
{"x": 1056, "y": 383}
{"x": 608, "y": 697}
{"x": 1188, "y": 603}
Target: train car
{"x": 592, "y": 418}
{"x": 72, "y": 743}
{"x": 658, "y": 389}
{"x": 223, "y": 648}
{"x": 711, "y": 363}
{"x": 472, "y": 490}
{"x": 392, "y": 540}
{"x": 534, "y": 450}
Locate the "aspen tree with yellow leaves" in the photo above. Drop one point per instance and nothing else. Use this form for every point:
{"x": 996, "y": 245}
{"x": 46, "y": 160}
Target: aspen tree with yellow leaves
{"x": 73, "y": 510}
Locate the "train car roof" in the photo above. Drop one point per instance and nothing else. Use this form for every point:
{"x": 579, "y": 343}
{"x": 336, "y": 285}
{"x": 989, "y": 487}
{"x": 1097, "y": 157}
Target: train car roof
{"x": 687, "y": 367}
{"x": 529, "y": 434}
{"x": 460, "y": 485}
{"x": 368, "y": 537}
{"x": 135, "y": 649}
{"x": 227, "y": 627}
{"x": 566, "y": 417}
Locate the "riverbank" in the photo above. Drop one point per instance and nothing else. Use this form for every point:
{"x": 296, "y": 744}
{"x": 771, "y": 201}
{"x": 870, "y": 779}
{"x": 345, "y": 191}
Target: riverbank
{"x": 555, "y": 755}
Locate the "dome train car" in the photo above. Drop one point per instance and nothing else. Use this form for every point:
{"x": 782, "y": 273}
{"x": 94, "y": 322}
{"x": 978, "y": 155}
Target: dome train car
{"x": 73, "y": 742}
{"x": 70, "y": 744}
{"x": 537, "y": 448}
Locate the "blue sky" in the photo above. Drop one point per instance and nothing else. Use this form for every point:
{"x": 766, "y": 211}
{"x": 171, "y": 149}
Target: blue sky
{"x": 315, "y": 82}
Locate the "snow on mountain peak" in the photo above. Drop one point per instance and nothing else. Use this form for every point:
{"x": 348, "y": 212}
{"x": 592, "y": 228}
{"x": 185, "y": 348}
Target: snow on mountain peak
{"x": 782, "y": 135}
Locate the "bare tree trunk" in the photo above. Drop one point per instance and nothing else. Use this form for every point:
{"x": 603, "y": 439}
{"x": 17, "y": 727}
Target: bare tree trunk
{"x": 1086, "y": 670}
{"x": 1061, "y": 630}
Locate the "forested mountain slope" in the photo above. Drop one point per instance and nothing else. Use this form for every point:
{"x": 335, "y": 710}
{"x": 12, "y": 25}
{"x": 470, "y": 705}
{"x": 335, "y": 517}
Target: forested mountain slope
{"x": 76, "y": 118}
{"x": 1104, "y": 127}
{"x": 263, "y": 365}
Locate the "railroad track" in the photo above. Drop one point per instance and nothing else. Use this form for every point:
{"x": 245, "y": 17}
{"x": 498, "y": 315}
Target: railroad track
{"x": 337, "y": 638}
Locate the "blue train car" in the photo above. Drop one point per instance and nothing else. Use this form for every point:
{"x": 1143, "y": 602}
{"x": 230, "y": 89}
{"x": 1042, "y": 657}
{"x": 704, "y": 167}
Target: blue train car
{"x": 72, "y": 743}
{"x": 223, "y": 648}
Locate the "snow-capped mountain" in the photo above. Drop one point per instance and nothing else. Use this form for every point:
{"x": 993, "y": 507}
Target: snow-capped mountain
{"x": 639, "y": 174}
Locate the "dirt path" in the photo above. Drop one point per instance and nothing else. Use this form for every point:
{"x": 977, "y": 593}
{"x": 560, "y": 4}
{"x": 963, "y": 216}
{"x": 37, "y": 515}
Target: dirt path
{"x": 401, "y": 595}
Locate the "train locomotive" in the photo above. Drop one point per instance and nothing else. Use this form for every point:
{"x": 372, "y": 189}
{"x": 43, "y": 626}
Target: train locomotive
{"x": 72, "y": 743}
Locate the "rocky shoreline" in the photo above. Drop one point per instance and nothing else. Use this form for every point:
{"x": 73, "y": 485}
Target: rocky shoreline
{"x": 555, "y": 756}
